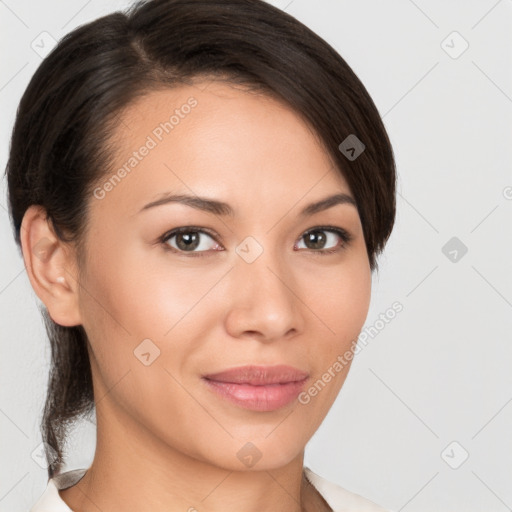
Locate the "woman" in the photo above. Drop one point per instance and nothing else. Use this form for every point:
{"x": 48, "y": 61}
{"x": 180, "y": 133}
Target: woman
{"x": 199, "y": 190}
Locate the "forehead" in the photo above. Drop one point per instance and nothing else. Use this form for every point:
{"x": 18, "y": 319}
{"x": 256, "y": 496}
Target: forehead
{"x": 220, "y": 140}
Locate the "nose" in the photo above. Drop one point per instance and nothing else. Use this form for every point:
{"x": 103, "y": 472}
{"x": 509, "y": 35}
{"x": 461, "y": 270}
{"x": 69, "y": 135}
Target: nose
{"x": 265, "y": 303}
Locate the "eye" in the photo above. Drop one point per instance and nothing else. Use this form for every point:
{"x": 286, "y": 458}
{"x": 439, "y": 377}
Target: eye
{"x": 195, "y": 241}
{"x": 188, "y": 239}
{"x": 322, "y": 239}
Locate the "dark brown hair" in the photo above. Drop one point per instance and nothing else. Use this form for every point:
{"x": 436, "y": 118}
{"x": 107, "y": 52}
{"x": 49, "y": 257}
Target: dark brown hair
{"x": 60, "y": 142}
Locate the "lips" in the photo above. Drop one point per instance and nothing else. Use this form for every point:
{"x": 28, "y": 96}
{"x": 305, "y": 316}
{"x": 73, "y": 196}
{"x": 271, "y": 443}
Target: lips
{"x": 259, "y": 375}
{"x": 258, "y": 388}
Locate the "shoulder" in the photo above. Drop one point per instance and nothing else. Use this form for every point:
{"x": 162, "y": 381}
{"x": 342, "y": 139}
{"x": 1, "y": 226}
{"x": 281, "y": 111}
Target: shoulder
{"x": 50, "y": 500}
{"x": 340, "y": 499}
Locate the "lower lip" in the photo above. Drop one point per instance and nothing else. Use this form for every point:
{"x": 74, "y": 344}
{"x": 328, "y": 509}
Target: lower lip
{"x": 258, "y": 398}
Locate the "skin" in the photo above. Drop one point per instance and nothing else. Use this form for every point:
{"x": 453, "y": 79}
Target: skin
{"x": 169, "y": 439}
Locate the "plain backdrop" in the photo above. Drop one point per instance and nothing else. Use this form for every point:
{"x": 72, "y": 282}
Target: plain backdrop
{"x": 423, "y": 421}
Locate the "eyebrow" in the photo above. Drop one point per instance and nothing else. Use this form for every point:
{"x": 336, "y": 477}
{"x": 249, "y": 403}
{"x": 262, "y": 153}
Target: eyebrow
{"x": 224, "y": 209}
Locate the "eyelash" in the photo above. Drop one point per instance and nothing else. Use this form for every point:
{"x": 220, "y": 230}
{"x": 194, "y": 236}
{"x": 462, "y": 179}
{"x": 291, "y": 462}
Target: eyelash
{"x": 345, "y": 236}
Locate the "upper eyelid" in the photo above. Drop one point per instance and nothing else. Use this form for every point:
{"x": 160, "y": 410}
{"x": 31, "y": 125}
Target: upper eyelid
{"x": 193, "y": 229}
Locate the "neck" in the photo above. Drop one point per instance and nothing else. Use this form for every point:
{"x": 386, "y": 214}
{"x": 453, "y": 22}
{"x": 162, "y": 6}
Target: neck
{"x": 134, "y": 470}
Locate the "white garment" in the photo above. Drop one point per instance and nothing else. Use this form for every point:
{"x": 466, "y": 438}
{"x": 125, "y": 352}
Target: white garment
{"x": 339, "y": 499}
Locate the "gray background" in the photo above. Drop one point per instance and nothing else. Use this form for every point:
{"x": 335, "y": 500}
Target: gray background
{"x": 434, "y": 385}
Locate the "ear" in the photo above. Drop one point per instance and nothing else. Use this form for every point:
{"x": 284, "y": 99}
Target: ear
{"x": 51, "y": 267}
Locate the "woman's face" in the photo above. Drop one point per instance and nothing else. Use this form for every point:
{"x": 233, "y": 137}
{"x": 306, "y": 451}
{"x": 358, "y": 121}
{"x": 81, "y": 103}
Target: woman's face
{"x": 244, "y": 288}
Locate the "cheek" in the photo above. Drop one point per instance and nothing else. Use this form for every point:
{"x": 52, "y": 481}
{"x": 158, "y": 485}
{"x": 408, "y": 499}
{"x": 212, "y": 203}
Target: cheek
{"x": 118, "y": 310}
{"x": 340, "y": 298}
{"x": 351, "y": 301}
{"x": 134, "y": 294}
{"x": 126, "y": 303}
{"x": 341, "y": 306}
{"x": 341, "y": 301}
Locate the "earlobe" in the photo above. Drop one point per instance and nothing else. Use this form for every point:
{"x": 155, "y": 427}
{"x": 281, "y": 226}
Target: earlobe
{"x": 50, "y": 267}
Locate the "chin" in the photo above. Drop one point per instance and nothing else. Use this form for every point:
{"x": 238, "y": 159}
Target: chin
{"x": 261, "y": 453}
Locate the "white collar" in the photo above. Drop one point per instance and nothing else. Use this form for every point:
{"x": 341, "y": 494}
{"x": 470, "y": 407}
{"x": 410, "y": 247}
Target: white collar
{"x": 338, "y": 498}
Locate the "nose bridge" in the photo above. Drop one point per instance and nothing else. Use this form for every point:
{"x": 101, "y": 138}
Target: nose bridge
{"x": 263, "y": 299}
{"x": 262, "y": 265}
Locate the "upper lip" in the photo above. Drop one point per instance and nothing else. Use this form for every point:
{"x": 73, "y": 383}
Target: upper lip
{"x": 259, "y": 375}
